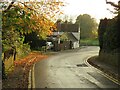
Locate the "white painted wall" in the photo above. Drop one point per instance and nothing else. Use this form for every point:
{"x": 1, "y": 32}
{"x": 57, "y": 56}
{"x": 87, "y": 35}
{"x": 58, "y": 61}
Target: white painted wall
{"x": 76, "y": 44}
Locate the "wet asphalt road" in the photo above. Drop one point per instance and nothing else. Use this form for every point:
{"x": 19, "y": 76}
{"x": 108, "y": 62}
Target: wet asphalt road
{"x": 69, "y": 69}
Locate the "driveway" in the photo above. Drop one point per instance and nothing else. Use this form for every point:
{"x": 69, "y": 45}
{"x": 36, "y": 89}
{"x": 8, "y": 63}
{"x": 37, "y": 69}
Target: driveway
{"x": 69, "y": 69}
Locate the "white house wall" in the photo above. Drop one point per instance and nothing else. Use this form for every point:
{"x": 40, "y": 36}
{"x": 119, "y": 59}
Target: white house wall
{"x": 76, "y": 44}
{"x": 76, "y": 35}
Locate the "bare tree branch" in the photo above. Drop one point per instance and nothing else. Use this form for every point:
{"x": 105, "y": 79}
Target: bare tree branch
{"x": 11, "y": 4}
{"x": 113, "y": 4}
{"x": 27, "y": 6}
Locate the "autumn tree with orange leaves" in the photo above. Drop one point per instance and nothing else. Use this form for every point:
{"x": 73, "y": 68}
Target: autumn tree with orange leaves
{"x": 21, "y": 18}
{"x": 26, "y": 17}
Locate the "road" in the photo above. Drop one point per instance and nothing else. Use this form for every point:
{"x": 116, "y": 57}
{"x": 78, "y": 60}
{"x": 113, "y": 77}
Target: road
{"x": 69, "y": 69}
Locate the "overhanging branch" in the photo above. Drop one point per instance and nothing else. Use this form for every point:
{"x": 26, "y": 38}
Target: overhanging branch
{"x": 113, "y": 4}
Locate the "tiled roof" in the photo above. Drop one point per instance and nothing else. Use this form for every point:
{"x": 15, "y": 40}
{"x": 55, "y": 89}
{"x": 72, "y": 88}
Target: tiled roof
{"x": 71, "y": 37}
{"x": 69, "y": 28}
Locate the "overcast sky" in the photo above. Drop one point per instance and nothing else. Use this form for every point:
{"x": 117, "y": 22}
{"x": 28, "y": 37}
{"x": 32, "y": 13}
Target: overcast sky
{"x": 96, "y": 8}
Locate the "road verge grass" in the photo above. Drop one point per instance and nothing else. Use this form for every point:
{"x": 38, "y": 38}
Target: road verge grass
{"x": 89, "y": 42}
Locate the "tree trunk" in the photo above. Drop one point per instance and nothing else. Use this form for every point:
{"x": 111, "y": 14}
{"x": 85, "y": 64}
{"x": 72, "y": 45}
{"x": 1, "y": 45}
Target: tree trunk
{"x": 3, "y": 71}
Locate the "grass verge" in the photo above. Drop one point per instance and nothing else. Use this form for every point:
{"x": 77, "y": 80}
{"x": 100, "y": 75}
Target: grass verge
{"x": 89, "y": 42}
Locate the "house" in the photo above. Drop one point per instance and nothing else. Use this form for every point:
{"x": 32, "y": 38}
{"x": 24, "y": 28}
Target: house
{"x": 67, "y": 36}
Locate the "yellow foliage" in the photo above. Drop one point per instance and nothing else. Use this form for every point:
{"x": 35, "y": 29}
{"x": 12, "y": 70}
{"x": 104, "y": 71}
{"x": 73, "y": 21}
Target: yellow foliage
{"x": 43, "y": 11}
{"x": 95, "y": 33}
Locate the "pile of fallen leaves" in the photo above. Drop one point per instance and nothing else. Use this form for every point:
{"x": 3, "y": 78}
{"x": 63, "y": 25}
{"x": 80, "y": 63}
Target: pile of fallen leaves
{"x": 18, "y": 78}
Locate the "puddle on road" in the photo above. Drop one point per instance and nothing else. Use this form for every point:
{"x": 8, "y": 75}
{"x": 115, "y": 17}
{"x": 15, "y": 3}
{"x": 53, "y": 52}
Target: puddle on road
{"x": 81, "y": 65}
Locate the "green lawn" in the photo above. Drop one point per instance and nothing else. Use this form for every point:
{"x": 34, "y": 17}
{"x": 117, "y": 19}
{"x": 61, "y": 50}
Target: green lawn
{"x": 89, "y": 42}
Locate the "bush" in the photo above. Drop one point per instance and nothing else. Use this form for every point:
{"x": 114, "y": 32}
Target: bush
{"x": 109, "y": 41}
{"x": 23, "y": 50}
